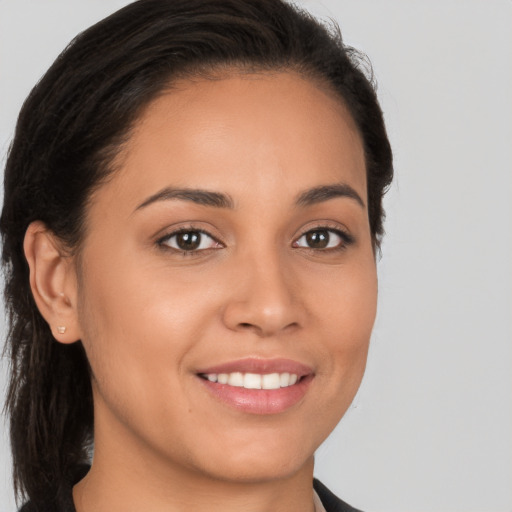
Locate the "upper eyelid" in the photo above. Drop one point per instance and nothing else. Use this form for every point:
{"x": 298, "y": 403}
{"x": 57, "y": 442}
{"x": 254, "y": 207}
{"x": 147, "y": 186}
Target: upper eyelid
{"x": 163, "y": 240}
{"x": 325, "y": 225}
{"x": 170, "y": 232}
{"x": 330, "y": 230}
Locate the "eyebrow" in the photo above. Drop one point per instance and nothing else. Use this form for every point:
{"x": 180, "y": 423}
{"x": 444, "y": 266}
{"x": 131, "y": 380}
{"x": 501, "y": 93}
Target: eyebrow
{"x": 326, "y": 192}
{"x": 197, "y": 196}
{"x": 219, "y": 200}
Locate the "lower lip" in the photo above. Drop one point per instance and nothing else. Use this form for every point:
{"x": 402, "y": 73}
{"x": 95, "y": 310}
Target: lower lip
{"x": 259, "y": 401}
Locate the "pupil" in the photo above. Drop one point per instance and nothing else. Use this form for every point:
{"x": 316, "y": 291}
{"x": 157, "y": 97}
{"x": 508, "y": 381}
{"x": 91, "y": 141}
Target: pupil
{"x": 317, "y": 239}
{"x": 189, "y": 240}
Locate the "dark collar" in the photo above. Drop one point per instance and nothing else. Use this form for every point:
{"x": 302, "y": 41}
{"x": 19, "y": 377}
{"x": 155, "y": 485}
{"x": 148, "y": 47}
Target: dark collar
{"x": 331, "y": 502}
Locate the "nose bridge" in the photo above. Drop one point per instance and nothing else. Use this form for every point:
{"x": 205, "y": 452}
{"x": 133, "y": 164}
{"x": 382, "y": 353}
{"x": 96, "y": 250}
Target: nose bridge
{"x": 263, "y": 298}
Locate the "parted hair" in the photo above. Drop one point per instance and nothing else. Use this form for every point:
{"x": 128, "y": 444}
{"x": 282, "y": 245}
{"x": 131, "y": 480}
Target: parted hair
{"x": 68, "y": 133}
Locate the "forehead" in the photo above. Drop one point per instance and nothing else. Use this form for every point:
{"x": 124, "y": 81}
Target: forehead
{"x": 259, "y": 132}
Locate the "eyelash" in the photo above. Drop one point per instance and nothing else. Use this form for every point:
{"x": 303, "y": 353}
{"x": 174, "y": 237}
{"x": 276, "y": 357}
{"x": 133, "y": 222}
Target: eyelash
{"x": 163, "y": 241}
{"x": 345, "y": 240}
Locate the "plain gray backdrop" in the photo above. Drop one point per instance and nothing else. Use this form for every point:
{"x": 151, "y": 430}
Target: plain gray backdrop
{"x": 431, "y": 427}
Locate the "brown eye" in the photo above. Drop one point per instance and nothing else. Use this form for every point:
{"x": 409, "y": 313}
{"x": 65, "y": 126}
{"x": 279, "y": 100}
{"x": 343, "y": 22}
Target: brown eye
{"x": 324, "y": 238}
{"x": 190, "y": 241}
{"x": 317, "y": 239}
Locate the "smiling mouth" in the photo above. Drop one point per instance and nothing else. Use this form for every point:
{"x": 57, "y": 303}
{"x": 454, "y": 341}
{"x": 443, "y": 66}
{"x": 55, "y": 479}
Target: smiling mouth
{"x": 258, "y": 386}
{"x": 266, "y": 381}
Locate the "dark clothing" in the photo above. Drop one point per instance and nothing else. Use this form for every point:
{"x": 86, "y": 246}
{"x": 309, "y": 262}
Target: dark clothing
{"x": 65, "y": 502}
{"x": 331, "y": 502}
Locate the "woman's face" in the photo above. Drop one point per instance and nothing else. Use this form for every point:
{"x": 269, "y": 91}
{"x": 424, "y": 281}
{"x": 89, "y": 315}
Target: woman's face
{"x": 230, "y": 251}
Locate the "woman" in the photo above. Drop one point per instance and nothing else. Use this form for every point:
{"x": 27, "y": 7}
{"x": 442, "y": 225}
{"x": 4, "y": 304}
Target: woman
{"x": 192, "y": 211}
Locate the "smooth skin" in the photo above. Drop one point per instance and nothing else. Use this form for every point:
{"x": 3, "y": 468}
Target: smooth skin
{"x": 264, "y": 275}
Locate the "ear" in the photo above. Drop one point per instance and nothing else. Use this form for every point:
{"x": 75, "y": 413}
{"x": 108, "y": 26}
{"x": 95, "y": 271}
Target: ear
{"x": 53, "y": 281}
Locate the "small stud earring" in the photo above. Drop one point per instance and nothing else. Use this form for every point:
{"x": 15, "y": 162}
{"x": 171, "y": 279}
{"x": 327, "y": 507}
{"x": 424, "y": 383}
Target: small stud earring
{"x": 61, "y": 329}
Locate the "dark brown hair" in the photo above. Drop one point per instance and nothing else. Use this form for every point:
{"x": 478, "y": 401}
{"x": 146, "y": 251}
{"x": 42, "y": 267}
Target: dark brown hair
{"x": 69, "y": 130}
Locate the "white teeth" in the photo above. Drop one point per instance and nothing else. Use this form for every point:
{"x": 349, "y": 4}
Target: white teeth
{"x": 254, "y": 380}
{"x": 284, "y": 380}
{"x": 236, "y": 379}
{"x": 270, "y": 381}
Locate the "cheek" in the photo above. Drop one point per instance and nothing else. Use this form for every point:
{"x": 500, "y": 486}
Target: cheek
{"x": 345, "y": 313}
{"x": 347, "y": 316}
{"x": 138, "y": 322}
{"x": 135, "y": 339}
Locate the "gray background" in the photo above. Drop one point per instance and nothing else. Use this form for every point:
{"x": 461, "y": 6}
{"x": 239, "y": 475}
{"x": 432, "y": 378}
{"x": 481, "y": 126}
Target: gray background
{"x": 431, "y": 428}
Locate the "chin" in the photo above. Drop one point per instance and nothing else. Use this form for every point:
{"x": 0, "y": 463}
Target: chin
{"x": 253, "y": 471}
{"x": 266, "y": 460}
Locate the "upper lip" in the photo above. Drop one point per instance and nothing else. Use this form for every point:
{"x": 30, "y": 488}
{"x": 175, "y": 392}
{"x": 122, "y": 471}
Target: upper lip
{"x": 261, "y": 366}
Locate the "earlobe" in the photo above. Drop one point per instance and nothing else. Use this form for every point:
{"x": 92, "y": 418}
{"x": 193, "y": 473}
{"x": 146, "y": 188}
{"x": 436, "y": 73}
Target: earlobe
{"x": 52, "y": 281}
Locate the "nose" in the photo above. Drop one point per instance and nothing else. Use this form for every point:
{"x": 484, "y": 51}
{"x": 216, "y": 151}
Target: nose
{"x": 264, "y": 299}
